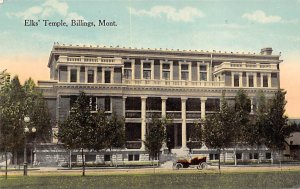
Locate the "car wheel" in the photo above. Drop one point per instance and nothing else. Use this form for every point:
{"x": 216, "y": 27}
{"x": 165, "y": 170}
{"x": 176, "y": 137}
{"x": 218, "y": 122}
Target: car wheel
{"x": 199, "y": 167}
{"x": 178, "y": 166}
{"x": 203, "y": 165}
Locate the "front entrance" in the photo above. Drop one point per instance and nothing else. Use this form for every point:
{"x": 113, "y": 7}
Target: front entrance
{"x": 174, "y": 137}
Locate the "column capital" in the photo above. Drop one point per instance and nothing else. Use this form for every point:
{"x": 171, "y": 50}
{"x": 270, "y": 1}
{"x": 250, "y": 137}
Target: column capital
{"x": 203, "y": 98}
{"x": 144, "y": 97}
{"x": 124, "y": 97}
{"x": 164, "y": 98}
{"x": 183, "y": 98}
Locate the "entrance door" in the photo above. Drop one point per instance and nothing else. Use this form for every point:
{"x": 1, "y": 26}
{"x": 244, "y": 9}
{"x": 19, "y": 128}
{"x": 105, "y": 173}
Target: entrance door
{"x": 174, "y": 132}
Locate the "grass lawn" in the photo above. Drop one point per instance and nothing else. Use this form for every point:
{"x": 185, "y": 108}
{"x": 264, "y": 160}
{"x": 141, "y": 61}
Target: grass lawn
{"x": 282, "y": 179}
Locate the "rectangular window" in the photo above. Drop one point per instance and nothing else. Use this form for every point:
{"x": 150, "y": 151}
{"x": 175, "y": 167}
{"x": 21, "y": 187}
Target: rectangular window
{"x": 73, "y": 75}
{"x": 73, "y": 158}
{"x": 90, "y": 76}
{"x": 185, "y": 72}
{"x": 127, "y": 70}
{"x": 236, "y": 80}
{"x": 106, "y": 157}
{"x": 268, "y": 155}
{"x": 238, "y": 155}
{"x": 166, "y": 72}
{"x": 147, "y": 70}
{"x": 203, "y": 73}
{"x": 107, "y": 104}
{"x": 93, "y": 103}
{"x": 133, "y": 157}
{"x": 107, "y": 76}
{"x": 90, "y": 158}
{"x": 213, "y": 156}
{"x": 265, "y": 81}
{"x": 251, "y": 83}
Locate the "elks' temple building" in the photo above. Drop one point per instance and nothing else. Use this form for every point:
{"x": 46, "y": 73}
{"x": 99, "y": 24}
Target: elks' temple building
{"x": 137, "y": 83}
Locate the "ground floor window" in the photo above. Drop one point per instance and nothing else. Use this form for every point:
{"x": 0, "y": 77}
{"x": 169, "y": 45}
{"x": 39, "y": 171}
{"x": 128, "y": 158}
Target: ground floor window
{"x": 73, "y": 158}
{"x": 107, "y": 157}
{"x": 90, "y": 158}
{"x": 133, "y": 157}
{"x": 253, "y": 155}
{"x": 214, "y": 156}
{"x": 268, "y": 155}
{"x": 238, "y": 155}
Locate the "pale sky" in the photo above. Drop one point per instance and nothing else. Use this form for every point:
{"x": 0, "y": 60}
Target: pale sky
{"x": 225, "y": 25}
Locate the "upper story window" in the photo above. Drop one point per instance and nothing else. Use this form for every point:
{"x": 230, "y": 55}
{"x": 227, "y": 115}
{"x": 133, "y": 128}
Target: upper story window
{"x": 107, "y": 104}
{"x": 166, "y": 71}
{"x": 73, "y": 75}
{"x": 147, "y": 70}
{"x": 92, "y": 102}
{"x": 236, "y": 80}
{"x": 265, "y": 81}
{"x": 203, "y": 73}
{"x": 184, "y": 72}
{"x": 127, "y": 70}
{"x": 91, "y": 76}
{"x": 250, "y": 80}
{"x": 107, "y": 77}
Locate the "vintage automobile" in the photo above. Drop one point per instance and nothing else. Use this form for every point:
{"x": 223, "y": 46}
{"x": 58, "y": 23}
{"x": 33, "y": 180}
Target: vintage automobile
{"x": 198, "y": 162}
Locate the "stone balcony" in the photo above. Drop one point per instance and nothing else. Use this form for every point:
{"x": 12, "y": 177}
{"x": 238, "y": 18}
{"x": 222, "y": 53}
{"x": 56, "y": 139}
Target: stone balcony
{"x": 244, "y": 66}
{"x": 89, "y": 60}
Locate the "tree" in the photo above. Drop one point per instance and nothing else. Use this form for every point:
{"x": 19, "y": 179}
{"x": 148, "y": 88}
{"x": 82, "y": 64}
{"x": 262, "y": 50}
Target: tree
{"x": 77, "y": 130}
{"x": 217, "y": 131}
{"x": 12, "y": 107}
{"x": 242, "y": 119}
{"x": 37, "y": 110}
{"x": 276, "y": 128}
{"x": 114, "y": 133}
{"x": 16, "y": 102}
{"x": 155, "y": 136}
{"x": 253, "y": 133}
{"x": 4, "y": 77}
{"x": 195, "y": 137}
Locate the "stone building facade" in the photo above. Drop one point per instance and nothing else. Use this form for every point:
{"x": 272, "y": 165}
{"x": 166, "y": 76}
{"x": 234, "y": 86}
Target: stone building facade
{"x": 137, "y": 83}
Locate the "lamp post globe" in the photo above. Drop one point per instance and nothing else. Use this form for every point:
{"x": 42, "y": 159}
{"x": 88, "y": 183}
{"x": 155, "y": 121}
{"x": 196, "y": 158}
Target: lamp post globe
{"x": 33, "y": 129}
{"x": 26, "y": 119}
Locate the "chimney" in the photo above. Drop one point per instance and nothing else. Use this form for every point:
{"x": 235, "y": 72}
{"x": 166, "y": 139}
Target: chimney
{"x": 266, "y": 51}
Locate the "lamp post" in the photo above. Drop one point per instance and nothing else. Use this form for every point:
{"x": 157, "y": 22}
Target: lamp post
{"x": 26, "y": 130}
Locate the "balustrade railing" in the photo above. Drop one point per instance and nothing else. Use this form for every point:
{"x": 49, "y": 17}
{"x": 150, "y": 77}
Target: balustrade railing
{"x": 132, "y": 114}
{"x": 174, "y": 83}
{"x": 133, "y": 144}
{"x": 152, "y": 113}
{"x": 174, "y": 114}
{"x": 193, "y": 114}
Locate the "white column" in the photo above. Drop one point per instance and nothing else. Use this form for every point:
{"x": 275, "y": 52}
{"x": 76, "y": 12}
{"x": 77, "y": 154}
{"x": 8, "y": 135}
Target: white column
{"x": 269, "y": 80}
{"x": 86, "y": 74}
{"x": 68, "y": 74}
{"x": 190, "y": 71}
{"x": 78, "y": 74}
{"x": 255, "y": 79}
{"x": 124, "y": 106}
{"x": 232, "y": 79}
{"x": 240, "y": 79}
{"x": 95, "y": 74}
{"x": 112, "y": 75}
{"x": 203, "y": 100}
{"x": 133, "y": 69}
{"x": 103, "y": 74}
{"x": 183, "y": 127}
{"x": 143, "y": 114}
{"x": 163, "y": 107}
{"x": 152, "y": 70}
{"x": 252, "y": 106}
{"x": 247, "y": 79}
{"x": 171, "y": 71}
